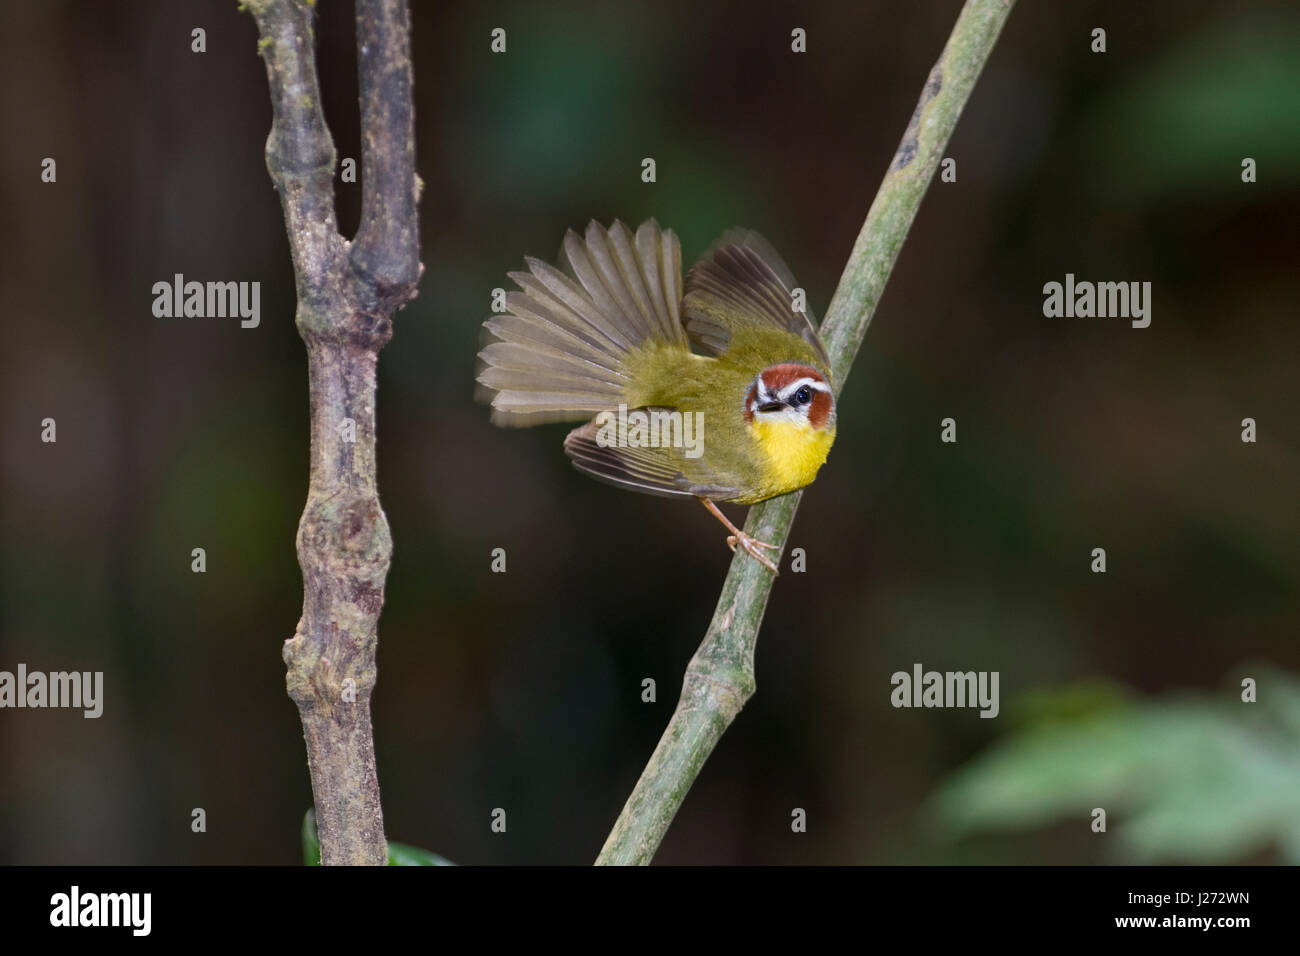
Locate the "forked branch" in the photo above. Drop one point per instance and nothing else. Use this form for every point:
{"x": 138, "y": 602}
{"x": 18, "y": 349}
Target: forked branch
{"x": 347, "y": 294}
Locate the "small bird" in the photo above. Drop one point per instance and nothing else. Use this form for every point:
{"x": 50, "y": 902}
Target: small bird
{"x": 721, "y": 391}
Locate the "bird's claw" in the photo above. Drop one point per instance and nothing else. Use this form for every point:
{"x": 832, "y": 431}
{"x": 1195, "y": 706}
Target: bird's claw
{"x": 751, "y": 546}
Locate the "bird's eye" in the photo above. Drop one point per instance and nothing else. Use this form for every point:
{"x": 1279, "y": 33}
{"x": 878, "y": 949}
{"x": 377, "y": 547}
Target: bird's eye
{"x": 803, "y": 396}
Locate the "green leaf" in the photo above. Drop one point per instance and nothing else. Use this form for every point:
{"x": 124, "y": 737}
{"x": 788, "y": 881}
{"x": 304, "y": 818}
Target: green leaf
{"x": 399, "y": 854}
{"x": 310, "y": 841}
{"x": 1198, "y": 779}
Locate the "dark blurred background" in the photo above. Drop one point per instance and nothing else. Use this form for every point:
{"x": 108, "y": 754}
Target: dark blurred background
{"x": 522, "y": 690}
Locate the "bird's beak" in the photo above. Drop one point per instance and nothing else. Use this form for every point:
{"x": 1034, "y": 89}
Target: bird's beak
{"x": 772, "y": 407}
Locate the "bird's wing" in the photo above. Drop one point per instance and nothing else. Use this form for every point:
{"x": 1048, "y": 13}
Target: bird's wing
{"x": 742, "y": 280}
{"x": 654, "y": 471}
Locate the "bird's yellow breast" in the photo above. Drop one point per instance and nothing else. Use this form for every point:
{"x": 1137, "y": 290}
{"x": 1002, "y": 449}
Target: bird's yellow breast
{"x": 793, "y": 453}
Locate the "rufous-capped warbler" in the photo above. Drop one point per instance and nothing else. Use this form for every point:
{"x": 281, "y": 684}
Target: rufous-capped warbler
{"x": 721, "y": 392}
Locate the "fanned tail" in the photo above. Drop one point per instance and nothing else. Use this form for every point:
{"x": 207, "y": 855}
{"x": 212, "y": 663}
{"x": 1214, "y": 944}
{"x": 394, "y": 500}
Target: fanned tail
{"x": 557, "y": 353}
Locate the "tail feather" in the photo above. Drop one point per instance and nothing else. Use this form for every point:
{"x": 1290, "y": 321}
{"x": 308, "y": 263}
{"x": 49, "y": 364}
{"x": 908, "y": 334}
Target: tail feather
{"x": 546, "y": 334}
{"x": 664, "y": 261}
{"x": 568, "y": 302}
{"x": 592, "y": 263}
{"x": 557, "y": 352}
{"x": 507, "y": 357}
{"x": 515, "y": 403}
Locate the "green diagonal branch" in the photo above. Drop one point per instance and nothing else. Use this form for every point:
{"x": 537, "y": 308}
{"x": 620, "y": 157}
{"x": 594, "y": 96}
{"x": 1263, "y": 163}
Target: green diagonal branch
{"x": 720, "y": 677}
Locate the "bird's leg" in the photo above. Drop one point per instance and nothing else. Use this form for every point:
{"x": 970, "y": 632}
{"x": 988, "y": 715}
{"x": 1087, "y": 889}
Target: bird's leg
{"x": 738, "y": 537}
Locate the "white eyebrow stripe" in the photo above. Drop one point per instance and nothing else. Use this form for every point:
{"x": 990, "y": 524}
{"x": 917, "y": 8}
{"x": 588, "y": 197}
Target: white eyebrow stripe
{"x": 800, "y": 382}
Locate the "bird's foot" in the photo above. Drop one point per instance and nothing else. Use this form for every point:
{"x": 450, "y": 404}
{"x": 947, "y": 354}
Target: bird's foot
{"x": 751, "y": 546}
